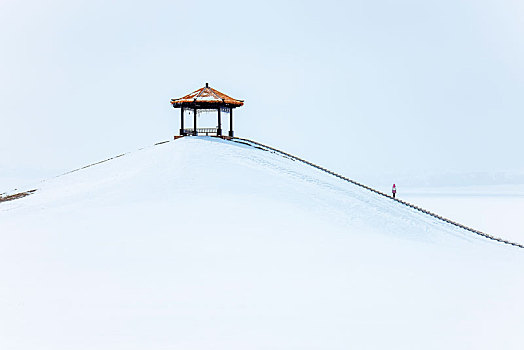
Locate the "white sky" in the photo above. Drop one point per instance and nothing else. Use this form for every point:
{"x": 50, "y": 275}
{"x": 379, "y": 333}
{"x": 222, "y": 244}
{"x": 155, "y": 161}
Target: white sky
{"x": 373, "y": 89}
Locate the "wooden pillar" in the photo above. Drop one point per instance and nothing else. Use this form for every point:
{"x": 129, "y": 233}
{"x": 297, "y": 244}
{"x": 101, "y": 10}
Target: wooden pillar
{"x": 194, "y": 121}
{"x": 231, "y": 134}
{"x": 219, "y": 130}
{"x": 182, "y": 121}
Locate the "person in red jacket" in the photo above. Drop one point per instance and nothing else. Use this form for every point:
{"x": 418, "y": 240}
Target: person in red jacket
{"x": 394, "y": 190}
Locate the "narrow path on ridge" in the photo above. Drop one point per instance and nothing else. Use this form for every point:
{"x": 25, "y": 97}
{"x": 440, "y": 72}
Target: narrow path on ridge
{"x": 282, "y": 153}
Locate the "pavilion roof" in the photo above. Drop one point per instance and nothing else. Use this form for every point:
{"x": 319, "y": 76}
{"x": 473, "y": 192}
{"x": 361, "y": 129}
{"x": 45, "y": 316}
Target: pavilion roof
{"x": 206, "y": 96}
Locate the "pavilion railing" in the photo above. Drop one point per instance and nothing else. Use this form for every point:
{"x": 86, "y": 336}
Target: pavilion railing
{"x": 200, "y": 131}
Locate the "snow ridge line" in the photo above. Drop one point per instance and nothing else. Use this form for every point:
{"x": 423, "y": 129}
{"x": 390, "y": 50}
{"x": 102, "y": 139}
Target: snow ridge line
{"x": 90, "y": 165}
{"x": 108, "y": 159}
{"x": 26, "y": 193}
{"x": 480, "y": 233}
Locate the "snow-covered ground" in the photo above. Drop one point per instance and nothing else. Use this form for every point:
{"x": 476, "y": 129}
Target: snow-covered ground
{"x": 201, "y": 243}
{"x": 494, "y": 209}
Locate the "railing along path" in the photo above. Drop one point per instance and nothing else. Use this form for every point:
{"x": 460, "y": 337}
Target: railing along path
{"x": 480, "y": 233}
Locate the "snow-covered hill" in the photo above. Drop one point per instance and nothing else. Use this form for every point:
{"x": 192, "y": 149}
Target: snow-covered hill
{"x": 202, "y": 243}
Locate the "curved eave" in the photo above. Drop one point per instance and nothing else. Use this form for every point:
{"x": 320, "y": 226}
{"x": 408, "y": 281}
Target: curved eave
{"x": 204, "y": 104}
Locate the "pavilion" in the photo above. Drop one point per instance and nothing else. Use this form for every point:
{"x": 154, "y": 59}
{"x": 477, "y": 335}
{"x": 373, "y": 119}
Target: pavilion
{"x": 204, "y": 99}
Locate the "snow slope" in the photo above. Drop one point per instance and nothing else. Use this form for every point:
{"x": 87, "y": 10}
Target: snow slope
{"x": 202, "y": 243}
{"x": 493, "y": 208}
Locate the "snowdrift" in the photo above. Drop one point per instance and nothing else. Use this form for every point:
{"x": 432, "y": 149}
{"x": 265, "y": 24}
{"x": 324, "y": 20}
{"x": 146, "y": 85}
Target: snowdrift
{"x": 202, "y": 243}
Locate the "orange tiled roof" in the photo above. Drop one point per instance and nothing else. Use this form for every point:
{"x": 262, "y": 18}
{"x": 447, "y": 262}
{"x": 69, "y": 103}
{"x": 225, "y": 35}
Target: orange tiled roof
{"x": 207, "y": 95}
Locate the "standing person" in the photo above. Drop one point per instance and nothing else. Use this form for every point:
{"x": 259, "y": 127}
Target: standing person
{"x": 394, "y": 190}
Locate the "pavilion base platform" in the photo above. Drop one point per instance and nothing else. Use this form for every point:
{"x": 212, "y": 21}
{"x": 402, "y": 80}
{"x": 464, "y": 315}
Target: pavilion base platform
{"x": 224, "y": 137}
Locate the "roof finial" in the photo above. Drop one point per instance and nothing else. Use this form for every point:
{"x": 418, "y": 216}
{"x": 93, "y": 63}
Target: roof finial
{"x": 207, "y": 84}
